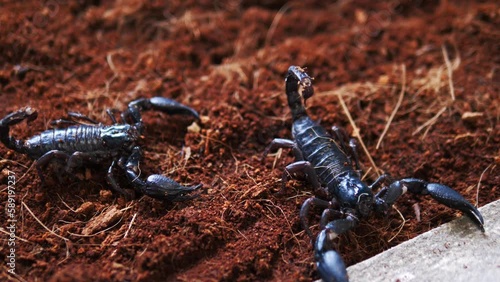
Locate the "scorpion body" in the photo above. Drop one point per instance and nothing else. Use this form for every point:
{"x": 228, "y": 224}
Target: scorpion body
{"x": 329, "y": 162}
{"x": 93, "y": 143}
{"x": 332, "y": 168}
{"x": 82, "y": 138}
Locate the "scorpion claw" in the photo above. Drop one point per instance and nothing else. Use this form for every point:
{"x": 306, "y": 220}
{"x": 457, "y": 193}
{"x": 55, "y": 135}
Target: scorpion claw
{"x": 163, "y": 104}
{"x": 329, "y": 263}
{"x": 161, "y": 187}
{"x": 453, "y": 199}
{"x": 446, "y": 196}
{"x": 156, "y": 185}
{"x": 172, "y": 107}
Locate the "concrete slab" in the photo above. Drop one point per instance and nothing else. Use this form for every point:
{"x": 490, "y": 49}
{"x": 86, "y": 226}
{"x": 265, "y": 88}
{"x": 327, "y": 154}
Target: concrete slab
{"x": 456, "y": 251}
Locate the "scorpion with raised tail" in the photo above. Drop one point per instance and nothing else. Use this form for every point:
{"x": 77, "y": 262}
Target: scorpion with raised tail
{"x": 332, "y": 168}
{"x": 93, "y": 143}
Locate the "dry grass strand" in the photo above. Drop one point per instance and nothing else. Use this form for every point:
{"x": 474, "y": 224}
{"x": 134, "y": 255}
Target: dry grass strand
{"x": 43, "y": 225}
{"x": 398, "y": 104}
{"x": 479, "y": 183}
{"x": 275, "y": 22}
{"x": 400, "y": 227}
{"x": 357, "y": 134}
{"x": 429, "y": 123}
{"x": 450, "y": 72}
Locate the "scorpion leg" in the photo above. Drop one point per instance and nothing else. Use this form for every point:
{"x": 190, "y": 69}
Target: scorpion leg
{"x": 48, "y": 157}
{"x": 341, "y": 136}
{"x": 112, "y": 181}
{"x": 111, "y": 115}
{"x": 156, "y": 185}
{"x": 74, "y": 118}
{"x": 353, "y": 144}
{"x": 348, "y": 145}
{"x": 327, "y": 214}
{"x": 60, "y": 123}
{"x": 380, "y": 180}
{"x": 330, "y": 265}
{"x": 278, "y": 143}
{"x": 163, "y": 104}
{"x": 304, "y": 167}
{"x": 441, "y": 193}
{"x": 306, "y": 206}
{"x": 80, "y": 116}
{"x": 77, "y": 159}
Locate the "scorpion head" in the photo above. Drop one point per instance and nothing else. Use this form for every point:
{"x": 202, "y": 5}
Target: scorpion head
{"x": 365, "y": 203}
{"x": 354, "y": 193}
{"x": 122, "y": 136}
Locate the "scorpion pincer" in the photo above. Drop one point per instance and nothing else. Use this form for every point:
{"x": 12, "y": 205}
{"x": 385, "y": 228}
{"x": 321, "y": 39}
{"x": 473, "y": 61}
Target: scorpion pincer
{"x": 93, "y": 143}
{"x": 331, "y": 167}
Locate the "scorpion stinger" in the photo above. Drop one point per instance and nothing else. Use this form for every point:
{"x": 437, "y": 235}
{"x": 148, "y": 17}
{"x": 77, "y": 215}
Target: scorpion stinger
{"x": 332, "y": 168}
{"x": 83, "y": 144}
{"x": 11, "y": 119}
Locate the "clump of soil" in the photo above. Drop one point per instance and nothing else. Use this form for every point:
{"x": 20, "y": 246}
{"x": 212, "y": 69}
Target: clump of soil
{"x": 419, "y": 79}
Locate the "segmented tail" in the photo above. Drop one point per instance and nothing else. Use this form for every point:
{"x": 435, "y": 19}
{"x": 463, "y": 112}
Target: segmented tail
{"x": 298, "y": 87}
{"x": 11, "y": 119}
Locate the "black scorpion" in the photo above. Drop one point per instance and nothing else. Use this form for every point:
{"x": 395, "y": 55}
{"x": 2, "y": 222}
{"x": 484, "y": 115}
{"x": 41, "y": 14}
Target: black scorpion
{"x": 331, "y": 167}
{"x": 94, "y": 143}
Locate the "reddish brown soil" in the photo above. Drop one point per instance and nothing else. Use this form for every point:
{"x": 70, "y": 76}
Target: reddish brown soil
{"x": 228, "y": 60}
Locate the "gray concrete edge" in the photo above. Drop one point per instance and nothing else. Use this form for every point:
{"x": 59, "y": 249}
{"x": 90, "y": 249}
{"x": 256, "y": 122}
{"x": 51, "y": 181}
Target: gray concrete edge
{"x": 455, "y": 251}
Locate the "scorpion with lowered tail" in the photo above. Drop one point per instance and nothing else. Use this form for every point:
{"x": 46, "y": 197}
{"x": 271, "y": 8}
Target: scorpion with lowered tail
{"x": 94, "y": 143}
{"x": 331, "y": 167}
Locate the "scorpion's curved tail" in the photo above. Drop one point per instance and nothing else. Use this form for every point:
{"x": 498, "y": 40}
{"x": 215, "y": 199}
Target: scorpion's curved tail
{"x": 11, "y": 119}
{"x": 298, "y": 87}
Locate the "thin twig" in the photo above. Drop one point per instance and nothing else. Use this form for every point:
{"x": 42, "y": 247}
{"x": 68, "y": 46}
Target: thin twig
{"x": 41, "y": 223}
{"x": 429, "y": 122}
{"x": 17, "y": 276}
{"x": 277, "y": 156}
{"x": 286, "y": 219}
{"x": 400, "y": 227}
{"x": 17, "y": 237}
{"x": 275, "y": 22}
{"x": 393, "y": 114}
{"x": 109, "y": 60}
{"x": 367, "y": 172}
{"x": 479, "y": 184}
{"x": 130, "y": 225}
{"x": 243, "y": 235}
{"x": 24, "y": 175}
{"x": 356, "y": 133}
{"x": 64, "y": 203}
{"x": 450, "y": 72}
{"x": 2, "y": 160}
{"x": 98, "y": 232}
